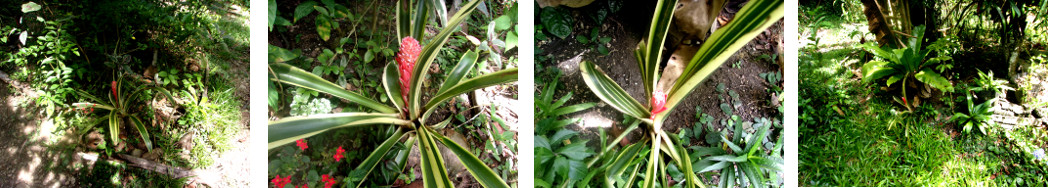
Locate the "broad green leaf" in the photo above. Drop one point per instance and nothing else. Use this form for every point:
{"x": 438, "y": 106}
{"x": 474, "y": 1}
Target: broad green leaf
{"x": 749, "y": 22}
{"x": 543, "y": 154}
{"x": 464, "y": 66}
{"x": 557, "y": 21}
{"x": 478, "y": 168}
{"x": 380, "y": 152}
{"x": 290, "y": 129}
{"x": 878, "y": 51}
{"x": 304, "y": 9}
{"x": 430, "y": 52}
{"x": 280, "y": 55}
{"x": 391, "y": 83}
{"x": 30, "y": 7}
{"x": 607, "y": 90}
{"x": 324, "y": 27}
{"x": 575, "y": 151}
{"x": 876, "y": 69}
{"x": 934, "y": 79}
{"x": 495, "y": 78}
{"x": 562, "y": 135}
{"x": 293, "y": 75}
{"x": 143, "y": 132}
{"x": 503, "y": 23}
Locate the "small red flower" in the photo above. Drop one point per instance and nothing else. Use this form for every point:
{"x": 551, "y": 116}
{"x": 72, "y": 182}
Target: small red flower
{"x": 302, "y": 144}
{"x": 338, "y": 153}
{"x": 281, "y": 182}
{"x": 328, "y": 181}
{"x": 658, "y": 102}
{"x": 303, "y": 186}
{"x": 406, "y": 58}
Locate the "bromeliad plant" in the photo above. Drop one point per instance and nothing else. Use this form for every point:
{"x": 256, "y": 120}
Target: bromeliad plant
{"x": 403, "y": 84}
{"x": 119, "y": 112}
{"x": 978, "y": 115}
{"x": 905, "y": 64}
{"x": 750, "y": 21}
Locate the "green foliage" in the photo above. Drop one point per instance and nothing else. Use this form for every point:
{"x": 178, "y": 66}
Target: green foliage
{"x": 905, "y": 64}
{"x": 977, "y": 116}
{"x": 987, "y": 82}
{"x": 328, "y": 15}
{"x": 404, "y": 116}
{"x": 558, "y": 158}
{"x": 557, "y": 21}
{"x": 600, "y": 44}
{"x": 747, "y": 161}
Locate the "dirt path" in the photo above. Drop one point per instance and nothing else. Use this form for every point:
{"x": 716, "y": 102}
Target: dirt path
{"x": 27, "y": 162}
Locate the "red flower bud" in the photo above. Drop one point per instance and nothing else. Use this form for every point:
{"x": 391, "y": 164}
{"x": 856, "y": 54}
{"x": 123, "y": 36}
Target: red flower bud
{"x": 658, "y": 102}
{"x": 115, "y": 96}
{"x": 338, "y": 153}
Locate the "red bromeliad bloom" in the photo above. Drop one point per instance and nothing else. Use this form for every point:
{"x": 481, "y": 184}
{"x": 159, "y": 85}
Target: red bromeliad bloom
{"x": 328, "y": 181}
{"x": 302, "y": 144}
{"x": 406, "y": 58}
{"x": 115, "y": 96}
{"x": 280, "y": 182}
{"x": 658, "y": 102}
{"x": 338, "y": 153}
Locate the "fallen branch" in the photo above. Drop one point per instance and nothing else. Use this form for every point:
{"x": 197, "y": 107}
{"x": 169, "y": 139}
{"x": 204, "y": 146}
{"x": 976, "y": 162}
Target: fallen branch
{"x": 192, "y": 176}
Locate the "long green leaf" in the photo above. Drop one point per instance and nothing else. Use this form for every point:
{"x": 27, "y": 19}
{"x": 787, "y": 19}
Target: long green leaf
{"x": 874, "y": 70}
{"x": 933, "y": 79}
{"x": 391, "y": 83}
{"x": 83, "y": 105}
{"x": 419, "y": 19}
{"x": 478, "y": 168}
{"x": 607, "y": 90}
{"x": 114, "y": 128}
{"x": 430, "y": 52}
{"x": 618, "y": 166}
{"x": 660, "y": 26}
{"x": 143, "y": 132}
{"x": 434, "y": 174}
{"x": 380, "y": 152}
{"x": 293, "y": 75}
{"x": 290, "y": 129}
{"x": 460, "y": 71}
{"x": 495, "y": 78}
{"x": 714, "y": 166}
{"x": 749, "y": 22}
{"x": 653, "y": 162}
{"x": 403, "y": 14}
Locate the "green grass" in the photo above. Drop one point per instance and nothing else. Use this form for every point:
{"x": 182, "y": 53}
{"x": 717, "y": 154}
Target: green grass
{"x": 867, "y": 143}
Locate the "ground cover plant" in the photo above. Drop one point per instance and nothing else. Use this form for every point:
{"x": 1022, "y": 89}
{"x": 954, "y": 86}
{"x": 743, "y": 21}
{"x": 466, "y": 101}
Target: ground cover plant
{"x": 370, "y": 112}
{"x": 961, "y": 125}
{"x": 108, "y": 93}
{"x": 653, "y": 156}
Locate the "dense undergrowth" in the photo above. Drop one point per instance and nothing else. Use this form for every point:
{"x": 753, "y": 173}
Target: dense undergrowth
{"x": 175, "y": 63}
{"x": 858, "y": 133}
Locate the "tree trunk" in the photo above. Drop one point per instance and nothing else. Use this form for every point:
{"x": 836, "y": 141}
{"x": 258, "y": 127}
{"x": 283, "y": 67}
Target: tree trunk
{"x": 878, "y": 25}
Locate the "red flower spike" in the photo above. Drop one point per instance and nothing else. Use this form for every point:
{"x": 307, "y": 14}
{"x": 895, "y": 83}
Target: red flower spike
{"x": 338, "y": 153}
{"x": 115, "y": 96}
{"x": 658, "y": 103}
{"x": 302, "y": 144}
{"x": 406, "y": 58}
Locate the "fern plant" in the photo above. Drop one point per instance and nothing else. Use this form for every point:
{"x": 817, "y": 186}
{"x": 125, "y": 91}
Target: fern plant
{"x": 750, "y": 21}
{"x": 409, "y": 114}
